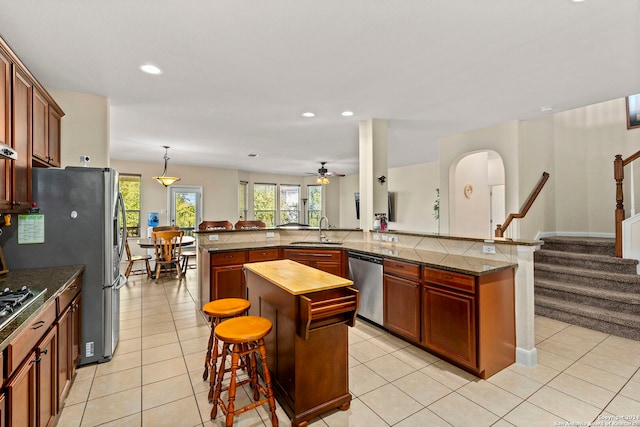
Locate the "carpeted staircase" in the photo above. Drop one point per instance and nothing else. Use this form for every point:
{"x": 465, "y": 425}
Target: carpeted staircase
{"x": 578, "y": 280}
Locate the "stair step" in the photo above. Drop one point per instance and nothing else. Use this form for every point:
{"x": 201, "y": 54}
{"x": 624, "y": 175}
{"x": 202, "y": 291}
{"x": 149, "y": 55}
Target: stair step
{"x": 611, "y": 322}
{"x": 592, "y": 245}
{"x": 591, "y": 261}
{"x": 586, "y": 277}
{"x": 624, "y": 302}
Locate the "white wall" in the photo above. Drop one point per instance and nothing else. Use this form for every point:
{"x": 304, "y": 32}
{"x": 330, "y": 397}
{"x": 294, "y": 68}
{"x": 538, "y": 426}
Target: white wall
{"x": 470, "y": 215}
{"x": 349, "y": 185}
{"x": 84, "y": 127}
{"x": 503, "y": 139}
{"x": 415, "y": 188}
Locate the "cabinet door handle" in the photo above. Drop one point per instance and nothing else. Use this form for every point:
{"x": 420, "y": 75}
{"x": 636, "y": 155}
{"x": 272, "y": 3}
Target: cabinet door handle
{"x": 38, "y": 325}
{"x": 44, "y": 351}
{"x": 74, "y": 287}
{"x": 447, "y": 276}
{"x": 36, "y": 360}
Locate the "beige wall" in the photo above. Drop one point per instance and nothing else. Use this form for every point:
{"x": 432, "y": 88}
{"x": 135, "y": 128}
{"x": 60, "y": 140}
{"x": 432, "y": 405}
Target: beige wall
{"x": 84, "y": 127}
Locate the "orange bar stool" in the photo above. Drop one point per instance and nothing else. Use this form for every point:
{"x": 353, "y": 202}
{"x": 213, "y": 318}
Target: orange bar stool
{"x": 219, "y": 310}
{"x": 242, "y": 338}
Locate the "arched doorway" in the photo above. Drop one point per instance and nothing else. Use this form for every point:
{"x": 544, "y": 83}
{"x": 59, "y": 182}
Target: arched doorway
{"x": 477, "y": 194}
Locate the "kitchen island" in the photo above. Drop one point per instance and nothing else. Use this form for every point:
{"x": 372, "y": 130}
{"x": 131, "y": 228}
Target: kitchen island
{"x": 307, "y": 350}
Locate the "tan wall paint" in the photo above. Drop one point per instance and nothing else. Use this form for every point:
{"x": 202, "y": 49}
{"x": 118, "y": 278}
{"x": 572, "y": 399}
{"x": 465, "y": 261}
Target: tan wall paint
{"x": 84, "y": 127}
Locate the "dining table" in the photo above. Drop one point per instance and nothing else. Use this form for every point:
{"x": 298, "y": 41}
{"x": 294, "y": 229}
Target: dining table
{"x": 148, "y": 243}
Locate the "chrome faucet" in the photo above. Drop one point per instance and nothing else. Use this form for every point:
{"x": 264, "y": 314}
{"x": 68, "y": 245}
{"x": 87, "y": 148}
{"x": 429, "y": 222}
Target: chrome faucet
{"x": 322, "y": 236}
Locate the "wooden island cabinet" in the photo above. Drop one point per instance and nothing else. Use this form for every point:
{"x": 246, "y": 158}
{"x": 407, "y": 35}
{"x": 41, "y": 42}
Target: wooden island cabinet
{"x": 307, "y": 349}
{"x": 401, "y": 298}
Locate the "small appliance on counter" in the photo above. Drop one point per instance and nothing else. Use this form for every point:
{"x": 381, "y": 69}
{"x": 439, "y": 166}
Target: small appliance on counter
{"x": 80, "y": 220}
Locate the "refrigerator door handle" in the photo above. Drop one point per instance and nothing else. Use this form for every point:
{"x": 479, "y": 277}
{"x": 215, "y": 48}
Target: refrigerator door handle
{"x": 123, "y": 235}
{"x": 122, "y": 280}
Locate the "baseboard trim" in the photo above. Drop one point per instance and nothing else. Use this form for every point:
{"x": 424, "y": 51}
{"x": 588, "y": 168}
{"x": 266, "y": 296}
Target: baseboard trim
{"x": 528, "y": 358}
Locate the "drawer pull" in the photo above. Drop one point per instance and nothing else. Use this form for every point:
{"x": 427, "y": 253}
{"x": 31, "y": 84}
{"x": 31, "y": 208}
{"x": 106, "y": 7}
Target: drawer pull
{"x": 44, "y": 351}
{"x": 447, "y": 277}
{"x": 71, "y": 288}
{"x": 39, "y": 324}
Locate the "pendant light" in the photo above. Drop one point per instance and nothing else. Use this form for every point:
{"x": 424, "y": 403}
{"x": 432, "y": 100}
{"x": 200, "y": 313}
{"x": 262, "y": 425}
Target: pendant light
{"x": 164, "y": 179}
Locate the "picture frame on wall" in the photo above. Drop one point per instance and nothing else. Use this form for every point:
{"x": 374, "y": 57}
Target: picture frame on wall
{"x": 633, "y": 111}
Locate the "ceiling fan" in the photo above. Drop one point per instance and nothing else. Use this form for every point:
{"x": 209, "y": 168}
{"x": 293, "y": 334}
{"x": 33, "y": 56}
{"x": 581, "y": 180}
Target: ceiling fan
{"x": 323, "y": 174}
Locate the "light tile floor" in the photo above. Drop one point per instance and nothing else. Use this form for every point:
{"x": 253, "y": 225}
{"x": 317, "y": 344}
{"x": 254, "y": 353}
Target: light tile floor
{"x": 155, "y": 377}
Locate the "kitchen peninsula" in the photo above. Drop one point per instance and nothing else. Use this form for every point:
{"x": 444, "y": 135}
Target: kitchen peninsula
{"x": 307, "y": 349}
{"x": 434, "y": 257}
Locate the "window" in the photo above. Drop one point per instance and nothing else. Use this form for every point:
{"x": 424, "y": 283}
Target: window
{"x": 289, "y": 203}
{"x": 315, "y": 204}
{"x": 130, "y": 190}
{"x": 243, "y": 200}
{"x": 264, "y": 203}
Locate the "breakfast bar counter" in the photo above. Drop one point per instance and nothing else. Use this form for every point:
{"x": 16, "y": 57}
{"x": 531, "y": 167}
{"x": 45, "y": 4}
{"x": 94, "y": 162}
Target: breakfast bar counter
{"x": 307, "y": 350}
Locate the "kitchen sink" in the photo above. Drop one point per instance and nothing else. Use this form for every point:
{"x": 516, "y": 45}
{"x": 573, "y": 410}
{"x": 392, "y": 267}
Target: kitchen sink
{"x": 310, "y": 242}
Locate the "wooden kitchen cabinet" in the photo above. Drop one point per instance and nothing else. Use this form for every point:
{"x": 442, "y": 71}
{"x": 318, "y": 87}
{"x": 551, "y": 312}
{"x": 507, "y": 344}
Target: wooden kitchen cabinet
{"x": 21, "y": 394}
{"x": 28, "y": 116}
{"x": 401, "y": 298}
{"x": 5, "y": 126}
{"x": 227, "y": 276}
{"x": 470, "y": 320}
{"x": 68, "y": 306}
{"x": 259, "y": 255}
{"x": 46, "y": 373}
{"x": 329, "y": 261}
{"x": 46, "y": 131}
{"x": 449, "y": 325}
{"x": 3, "y": 409}
{"x": 21, "y": 109}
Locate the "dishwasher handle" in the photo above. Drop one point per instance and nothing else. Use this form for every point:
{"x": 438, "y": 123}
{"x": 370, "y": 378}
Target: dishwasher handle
{"x": 363, "y": 257}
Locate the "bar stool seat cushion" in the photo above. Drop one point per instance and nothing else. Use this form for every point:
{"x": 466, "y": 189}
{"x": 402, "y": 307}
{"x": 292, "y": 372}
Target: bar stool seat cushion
{"x": 226, "y": 307}
{"x": 243, "y": 329}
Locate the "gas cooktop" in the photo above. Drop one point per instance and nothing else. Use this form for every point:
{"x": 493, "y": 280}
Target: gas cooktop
{"x": 13, "y": 302}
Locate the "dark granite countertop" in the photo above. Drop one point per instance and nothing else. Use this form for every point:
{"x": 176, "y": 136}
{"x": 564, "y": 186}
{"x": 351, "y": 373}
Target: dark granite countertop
{"x": 443, "y": 261}
{"x": 53, "y": 279}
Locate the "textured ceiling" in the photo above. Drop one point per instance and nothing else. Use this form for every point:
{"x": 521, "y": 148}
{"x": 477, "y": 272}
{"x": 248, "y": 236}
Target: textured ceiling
{"x": 237, "y": 75}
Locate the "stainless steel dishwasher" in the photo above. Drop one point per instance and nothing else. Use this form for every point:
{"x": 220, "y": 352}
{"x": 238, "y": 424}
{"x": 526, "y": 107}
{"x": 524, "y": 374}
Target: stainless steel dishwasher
{"x": 366, "y": 273}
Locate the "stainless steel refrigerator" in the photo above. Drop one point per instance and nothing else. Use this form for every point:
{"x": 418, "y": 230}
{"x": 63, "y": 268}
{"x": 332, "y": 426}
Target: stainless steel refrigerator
{"x": 83, "y": 224}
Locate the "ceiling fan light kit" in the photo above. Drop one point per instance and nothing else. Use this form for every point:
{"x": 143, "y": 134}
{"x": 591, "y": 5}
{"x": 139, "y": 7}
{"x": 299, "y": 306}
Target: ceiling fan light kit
{"x": 323, "y": 174}
{"x": 164, "y": 179}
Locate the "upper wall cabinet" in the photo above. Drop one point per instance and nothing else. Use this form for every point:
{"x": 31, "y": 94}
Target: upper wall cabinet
{"x": 30, "y": 124}
{"x": 46, "y": 131}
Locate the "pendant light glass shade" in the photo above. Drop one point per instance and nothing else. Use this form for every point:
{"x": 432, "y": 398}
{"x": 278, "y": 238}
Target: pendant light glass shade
{"x": 164, "y": 179}
{"x": 322, "y": 180}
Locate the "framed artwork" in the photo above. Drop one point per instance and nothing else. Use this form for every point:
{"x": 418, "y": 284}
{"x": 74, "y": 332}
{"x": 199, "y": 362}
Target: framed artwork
{"x": 633, "y": 111}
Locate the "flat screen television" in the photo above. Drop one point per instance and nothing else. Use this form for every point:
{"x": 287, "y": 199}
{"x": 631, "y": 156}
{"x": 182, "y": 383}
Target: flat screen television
{"x": 391, "y": 206}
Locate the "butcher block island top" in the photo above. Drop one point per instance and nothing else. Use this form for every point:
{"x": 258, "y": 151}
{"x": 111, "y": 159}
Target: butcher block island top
{"x": 296, "y": 278}
{"x": 307, "y": 349}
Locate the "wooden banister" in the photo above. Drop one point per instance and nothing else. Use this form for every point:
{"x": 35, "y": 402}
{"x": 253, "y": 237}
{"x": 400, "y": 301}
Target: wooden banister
{"x": 618, "y": 173}
{"x": 500, "y": 228}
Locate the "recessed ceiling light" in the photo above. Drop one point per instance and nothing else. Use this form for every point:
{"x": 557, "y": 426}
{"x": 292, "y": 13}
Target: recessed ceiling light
{"x": 546, "y": 108}
{"x": 253, "y": 155}
{"x": 577, "y": 1}
{"x": 150, "y": 69}
{"x": 308, "y": 114}
{"x": 347, "y": 113}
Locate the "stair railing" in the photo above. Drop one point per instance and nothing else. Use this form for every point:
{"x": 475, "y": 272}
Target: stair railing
{"x": 618, "y": 173}
{"x": 500, "y": 228}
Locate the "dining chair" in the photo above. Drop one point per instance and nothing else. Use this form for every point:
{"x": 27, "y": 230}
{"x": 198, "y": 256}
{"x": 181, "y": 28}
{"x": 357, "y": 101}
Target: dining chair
{"x": 132, "y": 259}
{"x": 249, "y": 225}
{"x": 167, "y": 245}
{"x": 215, "y": 225}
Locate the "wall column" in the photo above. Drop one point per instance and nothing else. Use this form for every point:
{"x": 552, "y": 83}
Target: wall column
{"x": 373, "y": 164}
{"x": 526, "y": 353}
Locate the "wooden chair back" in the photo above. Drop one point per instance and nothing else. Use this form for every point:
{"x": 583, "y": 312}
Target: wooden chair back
{"x": 215, "y": 225}
{"x": 166, "y": 228}
{"x": 133, "y": 259}
{"x": 168, "y": 246}
{"x": 248, "y": 225}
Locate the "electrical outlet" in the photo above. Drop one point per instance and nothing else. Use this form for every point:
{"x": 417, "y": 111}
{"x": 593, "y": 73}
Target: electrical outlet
{"x": 385, "y": 238}
{"x": 488, "y": 249}
{"x": 376, "y": 236}
{"x": 213, "y": 237}
{"x": 270, "y": 234}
